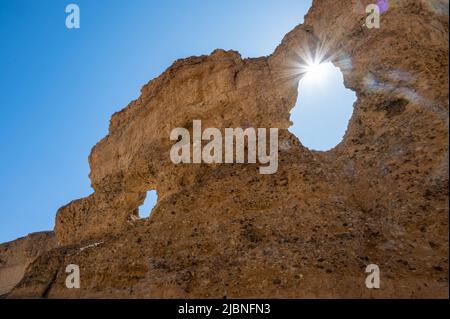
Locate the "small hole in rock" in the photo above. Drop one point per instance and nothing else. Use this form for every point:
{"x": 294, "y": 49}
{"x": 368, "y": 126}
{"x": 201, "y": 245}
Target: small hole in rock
{"x": 145, "y": 210}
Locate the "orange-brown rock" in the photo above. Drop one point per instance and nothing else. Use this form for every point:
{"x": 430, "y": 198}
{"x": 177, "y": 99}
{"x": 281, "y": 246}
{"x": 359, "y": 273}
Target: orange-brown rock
{"x": 380, "y": 197}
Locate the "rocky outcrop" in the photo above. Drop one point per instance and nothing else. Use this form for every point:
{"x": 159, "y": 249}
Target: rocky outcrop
{"x": 310, "y": 230}
{"x": 15, "y": 257}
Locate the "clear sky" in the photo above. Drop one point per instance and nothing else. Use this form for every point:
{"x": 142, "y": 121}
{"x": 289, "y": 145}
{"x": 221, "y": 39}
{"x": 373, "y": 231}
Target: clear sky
{"x": 324, "y": 108}
{"x": 59, "y": 87}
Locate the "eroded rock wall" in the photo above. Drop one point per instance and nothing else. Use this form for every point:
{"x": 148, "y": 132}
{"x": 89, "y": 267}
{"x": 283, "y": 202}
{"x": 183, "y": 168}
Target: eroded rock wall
{"x": 311, "y": 229}
{"x": 15, "y": 257}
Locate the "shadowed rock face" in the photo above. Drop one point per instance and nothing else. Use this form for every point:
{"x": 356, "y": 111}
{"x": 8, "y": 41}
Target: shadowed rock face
{"x": 15, "y": 256}
{"x": 310, "y": 230}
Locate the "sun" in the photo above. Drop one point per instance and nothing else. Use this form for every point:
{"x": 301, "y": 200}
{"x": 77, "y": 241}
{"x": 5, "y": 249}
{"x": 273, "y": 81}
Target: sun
{"x": 316, "y": 72}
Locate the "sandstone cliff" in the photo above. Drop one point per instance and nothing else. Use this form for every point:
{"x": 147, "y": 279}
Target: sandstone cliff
{"x": 15, "y": 256}
{"x": 310, "y": 230}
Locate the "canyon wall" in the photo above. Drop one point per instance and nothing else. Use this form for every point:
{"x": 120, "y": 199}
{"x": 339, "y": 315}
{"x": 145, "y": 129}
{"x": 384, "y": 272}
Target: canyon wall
{"x": 380, "y": 197}
{"x": 15, "y": 257}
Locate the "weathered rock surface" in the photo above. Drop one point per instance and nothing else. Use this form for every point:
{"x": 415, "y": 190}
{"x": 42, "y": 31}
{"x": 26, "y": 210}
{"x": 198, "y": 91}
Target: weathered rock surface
{"x": 310, "y": 230}
{"x": 15, "y": 257}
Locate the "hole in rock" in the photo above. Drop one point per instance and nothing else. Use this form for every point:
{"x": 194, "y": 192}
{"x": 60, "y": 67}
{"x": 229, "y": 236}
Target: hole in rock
{"x": 145, "y": 210}
{"x": 324, "y": 107}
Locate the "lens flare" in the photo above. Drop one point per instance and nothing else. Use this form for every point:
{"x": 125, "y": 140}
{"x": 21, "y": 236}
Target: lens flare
{"x": 316, "y": 72}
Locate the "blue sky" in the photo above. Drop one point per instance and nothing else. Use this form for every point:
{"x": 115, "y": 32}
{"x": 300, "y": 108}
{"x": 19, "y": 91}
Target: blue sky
{"x": 59, "y": 87}
{"x": 324, "y": 108}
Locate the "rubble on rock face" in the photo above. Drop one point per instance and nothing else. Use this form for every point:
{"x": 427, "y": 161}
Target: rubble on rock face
{"x": 380, "y": 197}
